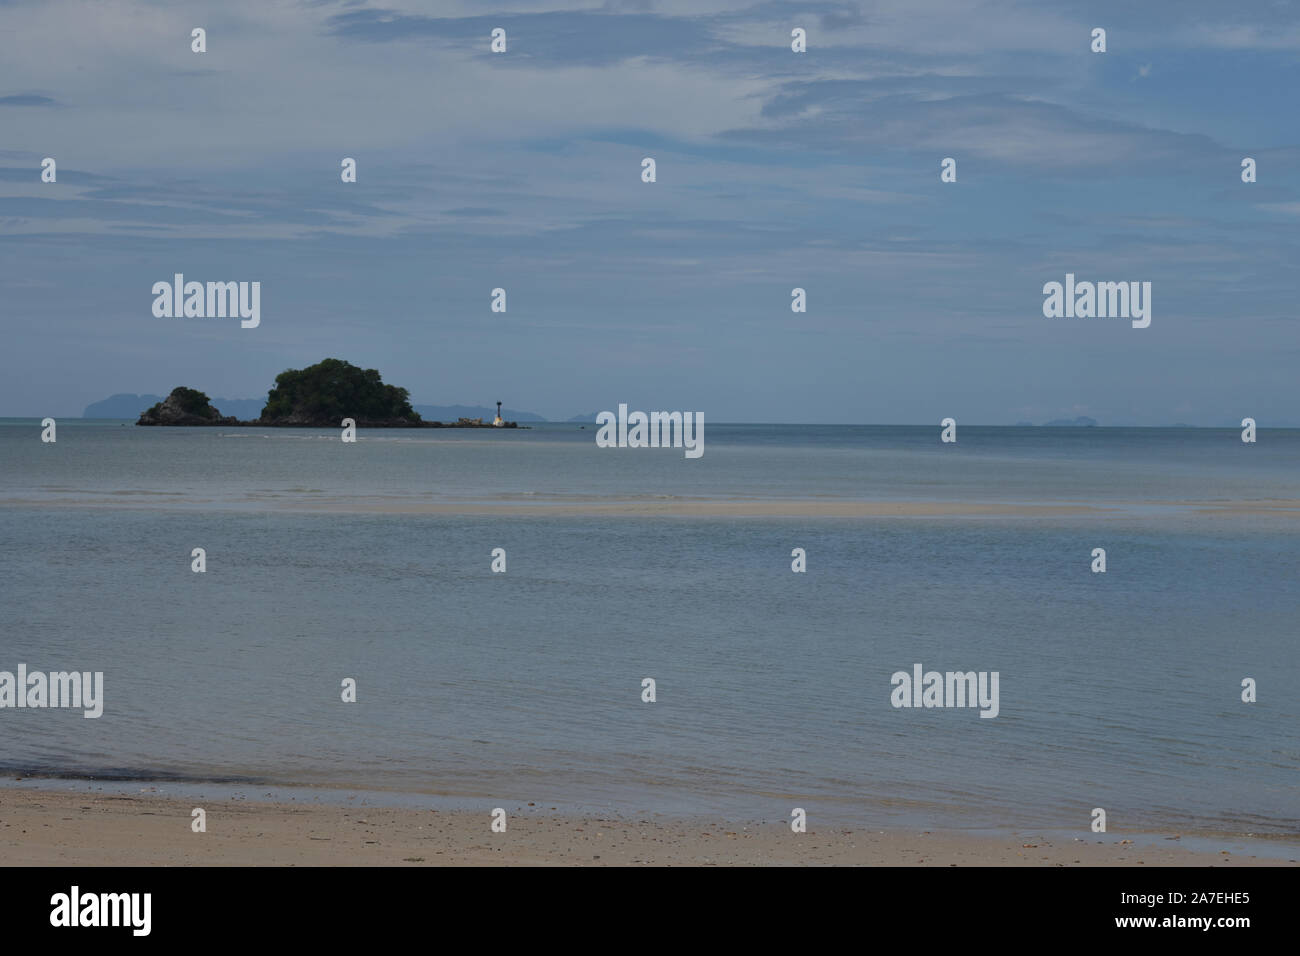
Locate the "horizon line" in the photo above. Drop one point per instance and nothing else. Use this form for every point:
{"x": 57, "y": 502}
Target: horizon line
{"x": 548, "y": 421}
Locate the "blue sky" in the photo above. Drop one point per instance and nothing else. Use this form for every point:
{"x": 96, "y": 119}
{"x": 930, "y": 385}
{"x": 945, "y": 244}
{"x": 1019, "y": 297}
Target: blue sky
{"x": 775, "y": 170}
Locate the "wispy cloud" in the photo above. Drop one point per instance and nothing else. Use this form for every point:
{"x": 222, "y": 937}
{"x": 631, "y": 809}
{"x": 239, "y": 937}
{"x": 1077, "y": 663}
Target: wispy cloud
{"x": 775, "y": 169}
{"x": 27, "y": 99}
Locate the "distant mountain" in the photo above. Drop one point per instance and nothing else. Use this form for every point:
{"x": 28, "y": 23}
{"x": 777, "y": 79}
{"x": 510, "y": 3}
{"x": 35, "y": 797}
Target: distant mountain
{"x": 126, "y": 405}
{"x": 1083, "y": 421}
{"x": 123, "y": 405}
{"x": 449, "y": 413}
{"x": 583, "y": 419}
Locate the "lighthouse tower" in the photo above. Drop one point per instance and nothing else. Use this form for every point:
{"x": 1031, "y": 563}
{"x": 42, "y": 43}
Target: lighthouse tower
{"x": 497, "y": 422}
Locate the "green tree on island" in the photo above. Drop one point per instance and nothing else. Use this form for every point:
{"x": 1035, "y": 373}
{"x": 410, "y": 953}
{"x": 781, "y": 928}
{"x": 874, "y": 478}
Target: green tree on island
{"x": 332, "y": 390}
{"x": 191, "y": 400}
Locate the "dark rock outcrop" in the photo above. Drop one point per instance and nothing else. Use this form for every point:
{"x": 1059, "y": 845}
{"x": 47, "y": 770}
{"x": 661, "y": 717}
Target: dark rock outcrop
{"x": 319, "y": 396}
{"x": 185, "y": 406}
{"x": 450, "y": 413}
{"x": 322, "y": 395}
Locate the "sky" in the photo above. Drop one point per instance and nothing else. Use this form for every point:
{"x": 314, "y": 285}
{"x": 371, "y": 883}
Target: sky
{"x": 775, "y": 170}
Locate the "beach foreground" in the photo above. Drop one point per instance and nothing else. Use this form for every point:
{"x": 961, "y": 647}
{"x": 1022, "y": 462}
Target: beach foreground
{"x": 52, "y": 828}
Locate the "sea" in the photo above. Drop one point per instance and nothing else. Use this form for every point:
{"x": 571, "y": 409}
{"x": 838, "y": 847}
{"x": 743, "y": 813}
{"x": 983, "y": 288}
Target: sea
{"x": 372, "y": 562}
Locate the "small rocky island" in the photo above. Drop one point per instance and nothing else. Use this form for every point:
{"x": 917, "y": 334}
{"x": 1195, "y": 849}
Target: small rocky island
{"x": 185, "y": 406}
{"x": 319, "y": 396}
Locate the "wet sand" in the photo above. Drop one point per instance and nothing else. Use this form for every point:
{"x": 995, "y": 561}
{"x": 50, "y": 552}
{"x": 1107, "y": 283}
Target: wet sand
{"x": 56, "y": 828}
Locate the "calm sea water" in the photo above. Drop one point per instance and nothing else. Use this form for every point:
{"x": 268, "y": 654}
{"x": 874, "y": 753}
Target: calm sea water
{"x": 1119, "y": 690}
{"x": 99, "y": 461}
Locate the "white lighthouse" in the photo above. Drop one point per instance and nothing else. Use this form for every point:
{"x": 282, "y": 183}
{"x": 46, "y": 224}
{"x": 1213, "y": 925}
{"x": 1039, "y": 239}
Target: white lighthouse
{"x": 497, "y": 422}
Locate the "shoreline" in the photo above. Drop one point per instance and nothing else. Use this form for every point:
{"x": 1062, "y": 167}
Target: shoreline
{"x": 288, "y": 503}
{"x": 327, "y": 426}
{"x": 57, "y": 827}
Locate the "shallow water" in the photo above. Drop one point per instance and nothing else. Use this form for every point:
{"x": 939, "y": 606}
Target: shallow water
{"x": 1117, "y": 690}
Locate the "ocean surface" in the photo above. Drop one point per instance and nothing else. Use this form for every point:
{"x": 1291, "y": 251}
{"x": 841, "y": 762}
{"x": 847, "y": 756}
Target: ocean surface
{"x": 1119, "y": 690}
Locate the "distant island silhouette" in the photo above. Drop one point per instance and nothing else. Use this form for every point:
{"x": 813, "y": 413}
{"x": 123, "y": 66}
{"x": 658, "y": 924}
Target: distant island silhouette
{"x": 1083, "y": 421}
{"x": 319, "y": 396}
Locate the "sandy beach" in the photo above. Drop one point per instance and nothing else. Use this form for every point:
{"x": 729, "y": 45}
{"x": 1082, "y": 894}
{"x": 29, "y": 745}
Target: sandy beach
{"x": 56, "y": 828}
